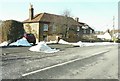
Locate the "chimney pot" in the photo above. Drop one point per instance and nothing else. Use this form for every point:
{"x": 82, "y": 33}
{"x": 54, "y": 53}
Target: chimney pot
{"x": 31, "y": 12}
{"x": 77, "y": 19}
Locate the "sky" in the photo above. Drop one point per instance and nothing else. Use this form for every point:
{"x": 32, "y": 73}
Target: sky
{"x": 98, "y": 14}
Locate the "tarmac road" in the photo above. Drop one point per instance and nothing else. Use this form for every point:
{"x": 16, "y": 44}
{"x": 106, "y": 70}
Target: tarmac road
{"x": 96, "y": 62}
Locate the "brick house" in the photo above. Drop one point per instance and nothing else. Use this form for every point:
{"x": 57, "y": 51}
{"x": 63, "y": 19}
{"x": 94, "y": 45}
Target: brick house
{"x": 46, "y": 26}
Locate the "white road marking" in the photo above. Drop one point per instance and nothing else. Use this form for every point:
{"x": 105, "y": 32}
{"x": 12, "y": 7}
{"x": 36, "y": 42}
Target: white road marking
{"x": 29, "y": 73}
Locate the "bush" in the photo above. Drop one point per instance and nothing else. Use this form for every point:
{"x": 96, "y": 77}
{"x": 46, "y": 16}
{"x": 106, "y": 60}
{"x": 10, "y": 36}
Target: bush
{"x": 92, "y": 38}
{"x": 89, "y": 38}
{"x": 118, "y": 40}
{"x": 11, "y": 30}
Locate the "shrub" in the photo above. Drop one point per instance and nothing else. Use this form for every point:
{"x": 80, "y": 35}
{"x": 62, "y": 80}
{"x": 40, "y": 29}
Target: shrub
{"x": 118, "y": 40}
{"x": 11, "y": 30}
{"x": 90, "y": 38}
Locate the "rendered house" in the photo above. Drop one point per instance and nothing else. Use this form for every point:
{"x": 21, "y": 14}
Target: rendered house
{"x": 105, "y": 36}
{"x": 46, "y": 26}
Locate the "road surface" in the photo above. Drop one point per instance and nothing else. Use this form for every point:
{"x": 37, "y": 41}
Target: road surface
{"x": 95, "y": 62}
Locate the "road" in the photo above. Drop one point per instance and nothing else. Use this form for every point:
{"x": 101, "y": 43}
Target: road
{"x": 95, "y": 62}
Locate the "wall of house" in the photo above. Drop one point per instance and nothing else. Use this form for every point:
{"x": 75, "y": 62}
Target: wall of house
{"x": 47, "y": 35}
{"x": 38, "y": 30}
{"x": 87, "y": 31}
{"x": 32, "y": 28}
{"x": 1, "y": 37}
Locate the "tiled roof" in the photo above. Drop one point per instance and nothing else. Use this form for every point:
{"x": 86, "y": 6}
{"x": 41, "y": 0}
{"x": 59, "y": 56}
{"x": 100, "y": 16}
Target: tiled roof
{"x": 46, "y": 17}
{"x": 37, "y": 18}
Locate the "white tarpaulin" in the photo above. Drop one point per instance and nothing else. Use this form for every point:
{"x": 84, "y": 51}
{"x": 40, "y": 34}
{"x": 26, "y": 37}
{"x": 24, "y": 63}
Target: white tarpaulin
{"x": 5, "y": 43}
{"x": 21, "y": 42}
{"x": 81, "y": 44}
{"x": 42, "y": 47}
{"x": 61, "y": 41}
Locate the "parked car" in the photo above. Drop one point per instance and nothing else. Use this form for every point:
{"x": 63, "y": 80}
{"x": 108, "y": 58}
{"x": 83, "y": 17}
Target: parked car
{"x": 30, "y": 38}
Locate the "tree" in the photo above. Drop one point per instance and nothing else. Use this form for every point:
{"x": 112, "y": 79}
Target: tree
{"x": 67, "y": 15}
{"x": 62, "y": 24}
{"x": 57, "y": 25}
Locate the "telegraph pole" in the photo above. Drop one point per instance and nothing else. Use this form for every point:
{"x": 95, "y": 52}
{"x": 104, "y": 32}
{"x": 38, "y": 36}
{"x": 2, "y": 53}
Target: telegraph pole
{"x": 113, "y": 28}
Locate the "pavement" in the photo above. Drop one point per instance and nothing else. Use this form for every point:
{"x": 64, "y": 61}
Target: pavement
{"x": 70, "y": 63}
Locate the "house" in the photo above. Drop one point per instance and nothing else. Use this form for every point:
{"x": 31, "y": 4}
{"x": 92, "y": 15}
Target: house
{"x": 115, "y": 33}
{"x": 105, "y": 36}
{"x": 46, "y": 26}
{"x": 86, "y": 29}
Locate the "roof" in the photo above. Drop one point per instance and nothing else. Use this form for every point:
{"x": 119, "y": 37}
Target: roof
{"x": 82, "y": 24}
{"x": 47, "y": 17}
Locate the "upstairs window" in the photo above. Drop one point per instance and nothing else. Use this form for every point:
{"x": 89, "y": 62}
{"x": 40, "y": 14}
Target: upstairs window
{"x": 45, "y": 26}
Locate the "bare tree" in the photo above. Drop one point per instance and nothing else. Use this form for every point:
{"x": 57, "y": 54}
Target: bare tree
{"x": 58, "y": 25}
{"x": 67, "y": 15}
{"x": 61, "y": 24}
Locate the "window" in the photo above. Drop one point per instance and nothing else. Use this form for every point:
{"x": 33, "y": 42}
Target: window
{"x": 91, "y": 31}
{"x": 84, "y": 31}
{"x": 54, "y": 28}
{"x": 78, "y": 28}
{"x": 45, "y": 27}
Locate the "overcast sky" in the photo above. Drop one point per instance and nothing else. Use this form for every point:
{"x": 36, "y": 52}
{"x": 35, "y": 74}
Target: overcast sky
{"x": 96, "y": 13}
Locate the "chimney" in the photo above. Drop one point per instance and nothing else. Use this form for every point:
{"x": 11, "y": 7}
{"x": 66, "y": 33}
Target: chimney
{"x": 77, "y": 19}
{"x": 31, "y": 12}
